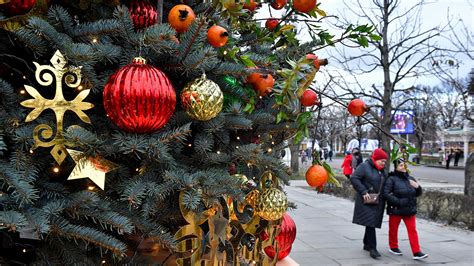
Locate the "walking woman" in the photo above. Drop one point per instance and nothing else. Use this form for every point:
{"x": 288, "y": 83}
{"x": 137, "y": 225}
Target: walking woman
{"x": 368, "y": 180}
{"x": 346, "y": 165}
{"x": 401, "y": 191}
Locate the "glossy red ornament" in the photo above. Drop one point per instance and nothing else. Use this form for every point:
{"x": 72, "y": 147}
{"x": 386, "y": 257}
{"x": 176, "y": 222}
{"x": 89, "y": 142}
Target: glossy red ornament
{"x": 284, "y": 239}
{"x": 139, "y": 98}
{"x": 18, "y": 7}
{"x": 142, "y": 13}
{"x": 357, "y": 107}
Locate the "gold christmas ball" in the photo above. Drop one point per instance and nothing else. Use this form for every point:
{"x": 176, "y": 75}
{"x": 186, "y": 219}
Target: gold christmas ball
{"x": 271, "y": 205}
{"x": 202, "y": 99}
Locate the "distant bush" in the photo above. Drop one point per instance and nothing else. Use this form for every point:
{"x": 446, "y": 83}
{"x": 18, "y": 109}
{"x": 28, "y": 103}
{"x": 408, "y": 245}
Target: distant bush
{"x": 440, "y": 206}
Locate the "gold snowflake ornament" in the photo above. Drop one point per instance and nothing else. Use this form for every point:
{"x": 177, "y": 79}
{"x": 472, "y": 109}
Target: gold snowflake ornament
{"x": 43, "y": 134}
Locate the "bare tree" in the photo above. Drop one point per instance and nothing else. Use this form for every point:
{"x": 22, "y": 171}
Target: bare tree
{"x": 405, "y": 51}
{"x": 425, "y": 120}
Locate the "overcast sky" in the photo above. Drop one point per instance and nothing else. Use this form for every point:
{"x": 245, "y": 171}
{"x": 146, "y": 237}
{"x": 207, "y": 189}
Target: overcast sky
{"x": 433, "y": 14}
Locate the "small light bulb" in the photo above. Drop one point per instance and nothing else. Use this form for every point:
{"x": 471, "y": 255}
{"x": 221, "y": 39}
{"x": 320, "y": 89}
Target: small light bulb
{"x": 189, "y": 145}
{"x": 218, "y": 152}
{"x": 236, "y": 147}
{"x": 273, "y": 142}
{"x": 22, "y": 91}
{"x": 56, "y": 169}
{"x": 260, "y": 97}
{"x": 90, "y": 188}
{"x": 94, "y": 40}
{"x": 24, "y": 77}
{"x": 249, "y": 165}
{"x": 24, "y": 250}
{"x": 137, "y": 169}
{"x": 31, "y": 151}
{"x": 225, "y": 53}
{"x": 103, "y": 262}
{"x": 259, "y": 136}
{"x": 80, "y": 87}
{"x": 269, "y": 150}
{"x": 238, "y": 137}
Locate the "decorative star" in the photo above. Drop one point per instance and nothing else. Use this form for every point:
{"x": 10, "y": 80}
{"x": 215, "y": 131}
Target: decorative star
{"x": 93, "y": 168}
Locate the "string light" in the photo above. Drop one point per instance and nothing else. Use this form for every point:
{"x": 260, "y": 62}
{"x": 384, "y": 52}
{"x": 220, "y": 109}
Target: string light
{"x": 190, "y": 145}
{"x": 137, "y": 169}
{"x": 260, "y": 97}
{"x": 94, "y": 40}
{"x": 103, "y": 262}
{"x": 22, "y": 91}
{"x": 56, "y": 169}
{"x": 269, "y": 150}
{"x": 225, "y": 53}
{"x": 249, "y": 165}
{"x": 218, "y": 152}
{"x": 273, "y": 142}
{"x": 90, "y": 188}
{"x": 80, "y": 87}
{"x": 24, "y": 77}
{"x": 24, "y": 250}
{"x": 236, "y": 147}
{"x": 238, "y": 137}
{"x": 31, "y": 151}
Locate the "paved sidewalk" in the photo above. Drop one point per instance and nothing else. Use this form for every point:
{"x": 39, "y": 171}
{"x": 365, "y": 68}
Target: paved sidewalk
{"x": 326, "y": 235}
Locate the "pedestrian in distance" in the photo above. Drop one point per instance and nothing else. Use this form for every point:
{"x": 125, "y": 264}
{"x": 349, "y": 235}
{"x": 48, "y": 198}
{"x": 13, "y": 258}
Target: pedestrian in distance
{"x": 401, "y": 191}
{"x": 330, "y": 154}
{"x": 356, "y": 158}
{"x": 449, "y": 156}
{"x": 347, "y": 165}
{"x": 457, "y": 156}
{"x": 368, "y": 180}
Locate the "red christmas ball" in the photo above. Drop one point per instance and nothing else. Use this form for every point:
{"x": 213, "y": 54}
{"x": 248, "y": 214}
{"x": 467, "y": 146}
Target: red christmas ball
{"x": 357, "y": 107}
{"x": 139, "y": 98}
{"x": 18, "y": 7}
{"x": 309, "y": 98}
{"x": 142, "y": 13}
{"x": 281, "y": 254}
{"x": 284, "y": 239}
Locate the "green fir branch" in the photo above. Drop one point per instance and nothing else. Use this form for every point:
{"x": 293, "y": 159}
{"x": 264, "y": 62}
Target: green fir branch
{"x": 196, "y": 34}
{"x": 89, "y": 236}
{"x": 12, "y": 220}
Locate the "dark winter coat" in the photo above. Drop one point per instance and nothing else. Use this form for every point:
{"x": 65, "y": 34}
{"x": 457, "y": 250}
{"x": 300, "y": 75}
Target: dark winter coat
{"x": 400, "y": 195}
{"x": 367, "y": 179}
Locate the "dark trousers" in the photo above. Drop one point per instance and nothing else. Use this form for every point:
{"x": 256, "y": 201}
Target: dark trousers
{"x": 370, "y": 239}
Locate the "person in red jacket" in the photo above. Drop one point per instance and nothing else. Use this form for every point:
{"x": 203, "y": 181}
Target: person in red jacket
{"x": 346, "y": 165}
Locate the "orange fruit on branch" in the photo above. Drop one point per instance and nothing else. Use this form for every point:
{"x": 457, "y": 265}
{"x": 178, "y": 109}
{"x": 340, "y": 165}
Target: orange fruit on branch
{"x": 278, "y": 4}
{"x": 304, "y": 6}
{"x": 309, "y": 98}
{"x": 357, "y": 107}
{"x": 181, "y": 17}
{"x": 217, "y": 36}
{"x": 271, "y": 24}
{"x": 316, "y": 176}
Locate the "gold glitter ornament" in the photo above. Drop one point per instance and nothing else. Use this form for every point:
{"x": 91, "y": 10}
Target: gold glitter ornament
{"x": 271, "y": 205}
{"x": 202, "y": 99}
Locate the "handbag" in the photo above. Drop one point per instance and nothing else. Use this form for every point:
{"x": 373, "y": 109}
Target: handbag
{"x": 373, "y": 197}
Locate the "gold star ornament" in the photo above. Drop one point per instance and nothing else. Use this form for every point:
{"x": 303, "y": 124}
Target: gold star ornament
{"x": 93, "y": 168}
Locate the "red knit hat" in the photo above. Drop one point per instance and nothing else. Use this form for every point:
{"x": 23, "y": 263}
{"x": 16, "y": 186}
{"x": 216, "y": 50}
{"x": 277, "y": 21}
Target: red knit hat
{"x": 379, "y": 154}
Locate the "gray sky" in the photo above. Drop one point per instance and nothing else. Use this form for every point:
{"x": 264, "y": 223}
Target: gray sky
{"x": 433, "y": 14}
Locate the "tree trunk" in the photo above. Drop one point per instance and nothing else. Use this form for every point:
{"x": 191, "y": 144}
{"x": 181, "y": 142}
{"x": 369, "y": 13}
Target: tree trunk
{"x": 469, "y": 176}
{"x": 295, "y": 162}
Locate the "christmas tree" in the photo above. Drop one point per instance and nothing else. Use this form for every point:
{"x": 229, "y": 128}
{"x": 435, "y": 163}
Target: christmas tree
{"x": 151, "y": 132}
